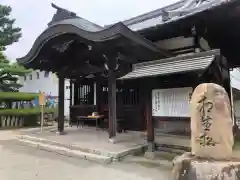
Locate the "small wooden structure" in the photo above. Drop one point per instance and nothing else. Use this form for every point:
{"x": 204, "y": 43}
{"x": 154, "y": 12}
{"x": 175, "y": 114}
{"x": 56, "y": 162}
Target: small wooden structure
{"x": 113, "y": 70}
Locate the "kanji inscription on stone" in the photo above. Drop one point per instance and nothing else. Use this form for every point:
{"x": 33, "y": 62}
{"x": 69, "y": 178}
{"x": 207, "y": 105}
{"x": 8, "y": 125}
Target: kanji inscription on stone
{"x": 211, "y": 122}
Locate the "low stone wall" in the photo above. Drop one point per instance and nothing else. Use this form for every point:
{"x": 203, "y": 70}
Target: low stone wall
{"x": 8, "y": 121}
{"x": 11, "y": 121}
{"x": 18, "y": 121}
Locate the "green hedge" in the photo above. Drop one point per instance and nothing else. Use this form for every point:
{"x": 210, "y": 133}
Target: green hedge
{"x": 18, "y": 96}
{"x": 16, "y": 70}
{"x": 25, "y": 111}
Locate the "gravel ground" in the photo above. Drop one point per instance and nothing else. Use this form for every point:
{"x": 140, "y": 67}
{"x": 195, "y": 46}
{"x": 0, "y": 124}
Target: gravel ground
{"x": 25, "y": 163}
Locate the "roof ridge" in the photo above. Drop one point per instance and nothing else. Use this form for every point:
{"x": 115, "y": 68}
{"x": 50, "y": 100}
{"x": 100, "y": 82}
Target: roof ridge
{"x": 152, "y": 14}
{"x": 63, "y": 14}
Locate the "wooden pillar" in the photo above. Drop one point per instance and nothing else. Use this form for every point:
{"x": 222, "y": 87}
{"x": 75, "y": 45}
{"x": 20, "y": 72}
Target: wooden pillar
{"x": 75, "y": 91}
{"x": 150, "y": 123}
{"x": 112, "y": 104}
{"x": 112, "y": 118}
{"x": 61, "y": 104}
{"x": 227, "y": 85}
{"x": 71, "y": 93}
{"x": 95, "y": 93}
{"x": 98, "y": 95}
{"x": 71, "y": 101}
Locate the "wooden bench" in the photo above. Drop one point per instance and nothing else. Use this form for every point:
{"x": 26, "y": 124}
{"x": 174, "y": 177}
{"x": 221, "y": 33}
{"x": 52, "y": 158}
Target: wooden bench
{"x": 82, "y": 111}
{"x": 97, "y": 118}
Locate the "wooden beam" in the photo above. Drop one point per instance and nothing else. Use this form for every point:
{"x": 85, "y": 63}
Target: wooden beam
{"x": 61, "y": 89}
{"x": 84, "y": 70}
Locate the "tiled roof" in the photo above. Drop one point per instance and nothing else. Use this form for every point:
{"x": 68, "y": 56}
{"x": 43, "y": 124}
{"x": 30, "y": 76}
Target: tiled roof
{"x": 186, "y": 63}
{"x": 170, "y": 13}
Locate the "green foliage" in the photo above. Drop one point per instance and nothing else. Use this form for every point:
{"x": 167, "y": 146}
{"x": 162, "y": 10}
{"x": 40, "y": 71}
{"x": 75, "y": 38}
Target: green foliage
{"x": 8, "y": 33}
{"x": 9, "y": 74}
{"x": 25, "y": 111}
{"x": 17, "y": 96}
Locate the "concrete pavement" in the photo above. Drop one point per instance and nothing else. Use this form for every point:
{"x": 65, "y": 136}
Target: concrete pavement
{"x": 25, "y": 163}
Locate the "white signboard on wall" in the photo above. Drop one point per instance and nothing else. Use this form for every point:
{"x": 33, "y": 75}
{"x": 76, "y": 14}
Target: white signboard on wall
{"x": 171, "y": 102}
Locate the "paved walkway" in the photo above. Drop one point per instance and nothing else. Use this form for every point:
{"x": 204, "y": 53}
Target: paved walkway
{"x": 26, "y": 163}
{"x": 92, "y": 139}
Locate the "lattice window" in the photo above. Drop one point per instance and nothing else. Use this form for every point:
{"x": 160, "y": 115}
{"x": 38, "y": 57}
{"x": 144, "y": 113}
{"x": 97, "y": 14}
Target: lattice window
{"x": 124, "y": 95}
{"x": 84, "y": 94}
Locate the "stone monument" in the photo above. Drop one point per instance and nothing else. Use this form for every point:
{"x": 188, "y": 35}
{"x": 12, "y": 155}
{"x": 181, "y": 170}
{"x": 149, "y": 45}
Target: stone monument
{"x": 211, "y": 122}
{"x": 211, "y": 138}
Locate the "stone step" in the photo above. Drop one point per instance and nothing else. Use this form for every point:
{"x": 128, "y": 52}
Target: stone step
{"x": 67, "y": 152}
{"x": 37, "y": 129}
{"x": 172, "y": 146}
{"x": 69, "y": 146}
{"x": 115, "y": 156}
{"x": 157, "y": 161}
{"x": 170, "y": 150}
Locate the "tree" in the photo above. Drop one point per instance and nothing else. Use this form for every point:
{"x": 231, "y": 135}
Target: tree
{"x": 8, "y": 33}
{"x": 9, "y": 74}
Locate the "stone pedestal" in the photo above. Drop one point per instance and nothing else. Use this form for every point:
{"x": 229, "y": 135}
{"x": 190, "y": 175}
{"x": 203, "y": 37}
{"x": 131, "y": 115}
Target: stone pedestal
{"x": 59, "y": 133}
{"x": 189, "y": 167}
{"x": 113, "y": 140}
{"x": 150, "y": 153}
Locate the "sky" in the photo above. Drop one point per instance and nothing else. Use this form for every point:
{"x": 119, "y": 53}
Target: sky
{"x": 33, "y": 15}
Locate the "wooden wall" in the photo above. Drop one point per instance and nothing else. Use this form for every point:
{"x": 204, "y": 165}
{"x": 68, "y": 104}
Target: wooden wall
{"x": 132, "y": 98}
{"x": 130, "y": 105}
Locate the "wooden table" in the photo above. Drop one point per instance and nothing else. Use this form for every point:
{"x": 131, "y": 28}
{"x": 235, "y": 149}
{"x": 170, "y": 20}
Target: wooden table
{"x": 90, "y": 117}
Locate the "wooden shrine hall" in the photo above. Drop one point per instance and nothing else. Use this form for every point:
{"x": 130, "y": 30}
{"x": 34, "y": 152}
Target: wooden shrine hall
{"x": 113, "y": 69}
{"x": 75, "y": 48}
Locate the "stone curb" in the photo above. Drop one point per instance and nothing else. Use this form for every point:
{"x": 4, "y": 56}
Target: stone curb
{"x": 173, "y": 146}
{"x": 38, "y": 128}
{"x": 116, "y": 156}
{"x": 171, "y": 150}
{"x": 67, "y": 152}
{"x": 151, "y": 162}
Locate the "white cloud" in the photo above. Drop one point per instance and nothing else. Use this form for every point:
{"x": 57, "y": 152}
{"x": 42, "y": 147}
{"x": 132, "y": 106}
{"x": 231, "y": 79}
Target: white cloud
{"x": 32, "y": 16}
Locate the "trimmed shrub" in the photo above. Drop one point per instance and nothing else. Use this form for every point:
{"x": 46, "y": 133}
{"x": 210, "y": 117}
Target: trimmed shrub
{"x": 25, "y": 111}
{"x": 31, "y": 120}
{"x": 17, "y": 96}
